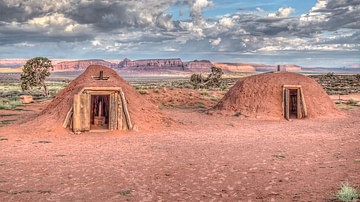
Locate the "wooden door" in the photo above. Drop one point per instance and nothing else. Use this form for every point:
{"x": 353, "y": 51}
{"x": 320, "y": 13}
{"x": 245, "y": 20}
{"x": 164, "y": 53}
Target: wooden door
{"x": 113, "y": 112}
{"x": 287, "y": 103}
{"x": 81, "y": 117}
{"x": 299, "y": 114}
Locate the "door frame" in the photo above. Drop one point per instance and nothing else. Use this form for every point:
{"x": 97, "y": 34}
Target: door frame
{"x": 300, "y": 102}
{"x": 119, "y": 117}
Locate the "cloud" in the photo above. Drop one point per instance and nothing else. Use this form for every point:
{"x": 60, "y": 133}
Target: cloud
{"x": 126, "y": 27}
{"x": 215, "y": 42}
{"x": 197, "y": 6}
{"x": 282, "y": 12}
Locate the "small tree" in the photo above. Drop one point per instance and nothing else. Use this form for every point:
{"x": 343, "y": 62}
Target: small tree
{"x": 212, "y": 80}
{"x": 34, "y": 73}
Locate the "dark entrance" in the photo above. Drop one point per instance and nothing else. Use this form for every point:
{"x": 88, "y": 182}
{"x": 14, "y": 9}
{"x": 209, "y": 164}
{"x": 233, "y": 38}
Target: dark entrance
{"x": 293, "y": 103}
{"x": 99, "y": 112}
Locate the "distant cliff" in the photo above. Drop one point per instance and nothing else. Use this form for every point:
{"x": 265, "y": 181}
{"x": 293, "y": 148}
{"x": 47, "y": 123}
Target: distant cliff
{"x": 235, "y": 67}
{"x": 81, "y": 65}
{"x": 198, "y": 66}
{"x": 151, "y": 65}
{"x": 160, "y": 65}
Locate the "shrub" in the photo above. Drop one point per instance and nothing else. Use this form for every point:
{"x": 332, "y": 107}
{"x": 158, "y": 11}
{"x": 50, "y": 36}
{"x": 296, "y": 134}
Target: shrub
{"x": 352, "y": 102}
{"x": 347, "y": 193}
{"x": 143, "y": 92}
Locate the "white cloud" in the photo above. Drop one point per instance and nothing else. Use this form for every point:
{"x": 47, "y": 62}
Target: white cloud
{"x": 282, "y": 12}
{"x": 24, "y": 44}
{"x": 226, "y": 22}
{"x": 96, "y": 43}
{"x": 215, "y": 42}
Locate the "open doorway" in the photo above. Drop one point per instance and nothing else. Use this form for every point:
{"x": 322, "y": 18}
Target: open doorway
{"x": 99, "y": 112}
{"x": 293, "y": 102}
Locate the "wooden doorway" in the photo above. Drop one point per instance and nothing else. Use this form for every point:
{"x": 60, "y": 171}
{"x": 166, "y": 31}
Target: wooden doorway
{"x": 293, "y": 102}
{"x": 99, "y": 109}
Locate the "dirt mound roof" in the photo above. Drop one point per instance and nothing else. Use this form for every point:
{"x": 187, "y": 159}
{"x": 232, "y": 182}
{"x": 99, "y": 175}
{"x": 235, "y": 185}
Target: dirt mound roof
{"x": 143, "y": 113}
{"x": 261, "y": 96}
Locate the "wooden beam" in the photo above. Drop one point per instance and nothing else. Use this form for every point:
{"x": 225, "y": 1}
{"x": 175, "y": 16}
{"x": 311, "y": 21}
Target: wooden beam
{"x": 303, "y": 102}
{"x": 127, "y": 115}
{"x": 92, "y": 92}
{"x": 101, "y": 88}
{"x": 292, "y": 86}
{"x": 76, "y": 115}
{"x": 298, "y": 104}
{"x": 287, "y": 104}
{"x": 113, "y": 113}
{"x": 85, "y": 111}
{"x": 283, "y": 102}
{"x": 119, "y": 112}
{"x": 68, "y": 117}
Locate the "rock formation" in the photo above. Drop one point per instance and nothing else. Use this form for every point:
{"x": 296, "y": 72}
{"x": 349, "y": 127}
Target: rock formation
{"x": 235, "y": 67}
{"x": 81, "y": 65}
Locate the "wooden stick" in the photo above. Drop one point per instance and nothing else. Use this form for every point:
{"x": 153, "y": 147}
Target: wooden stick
{"x": 127, "y": 115}
{"x": 67, "y": 118}
{"x": 119, "y": 112}
{"x": 283, "y": 101}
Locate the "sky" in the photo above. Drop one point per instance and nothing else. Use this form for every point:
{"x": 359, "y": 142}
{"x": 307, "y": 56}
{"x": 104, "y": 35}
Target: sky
{"x": 318, "y": 33}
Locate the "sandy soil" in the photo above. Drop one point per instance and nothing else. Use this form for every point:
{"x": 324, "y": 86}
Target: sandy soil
{"x": 199, "y": 158}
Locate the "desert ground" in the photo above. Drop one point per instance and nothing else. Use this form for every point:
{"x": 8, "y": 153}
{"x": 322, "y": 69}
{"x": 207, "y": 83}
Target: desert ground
{"x": 198, "y": 157}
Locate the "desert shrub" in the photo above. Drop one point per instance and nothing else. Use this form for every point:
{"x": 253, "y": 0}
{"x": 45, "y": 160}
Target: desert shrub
{"x": 347, "y": 193}
{"x": 143, "y": 91}
{"x": 237, "y": 114}
{"x": 222, "y": 87}
{"x": 9, "y": 103}
{"x": 212, "y": 80}
{"x": 352, "y": 102}
{"x": 357, "y": 76}
{"x": 330, "y": 74}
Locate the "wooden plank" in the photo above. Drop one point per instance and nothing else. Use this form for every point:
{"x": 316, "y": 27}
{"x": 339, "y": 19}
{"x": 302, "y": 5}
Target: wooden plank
{"x": 85, "y": 111}
{"x": 101, "y": 88}
{"x": 113, "y": 113}
{"x": 99, "y": 92}
{"x": 287, "y": 104}
{"x": 292, "y": 86}
{"x": 127, "y": 115}
{"x": 81, "y": 115}
{"x": 76, "y": 115}
{"x": 303, "y": 103}
{"x": 67, "y": 118}
{"x": 119, "y": 112}
{"x": 298, "y": 104}
{"x": 283, "y": 102}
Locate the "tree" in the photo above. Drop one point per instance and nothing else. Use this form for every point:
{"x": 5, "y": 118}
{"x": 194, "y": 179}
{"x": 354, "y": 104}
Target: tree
{"x": 212, "y": 80}
{"x": 34, "y": 73}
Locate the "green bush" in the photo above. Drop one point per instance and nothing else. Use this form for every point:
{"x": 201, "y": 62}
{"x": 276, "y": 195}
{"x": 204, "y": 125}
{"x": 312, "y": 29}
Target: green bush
{"x": 9, "y": 103}
{"x": 347, "y": 193}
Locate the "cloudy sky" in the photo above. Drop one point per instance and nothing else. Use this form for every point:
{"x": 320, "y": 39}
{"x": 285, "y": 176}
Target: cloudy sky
{"x": 304, "y": 32}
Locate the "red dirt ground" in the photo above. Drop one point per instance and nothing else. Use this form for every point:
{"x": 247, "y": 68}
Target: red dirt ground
{"x": 200, "y": 157}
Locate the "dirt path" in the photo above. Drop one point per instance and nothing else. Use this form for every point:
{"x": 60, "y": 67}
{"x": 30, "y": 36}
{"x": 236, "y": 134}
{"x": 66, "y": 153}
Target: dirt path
{"x": 201, "y": 158}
